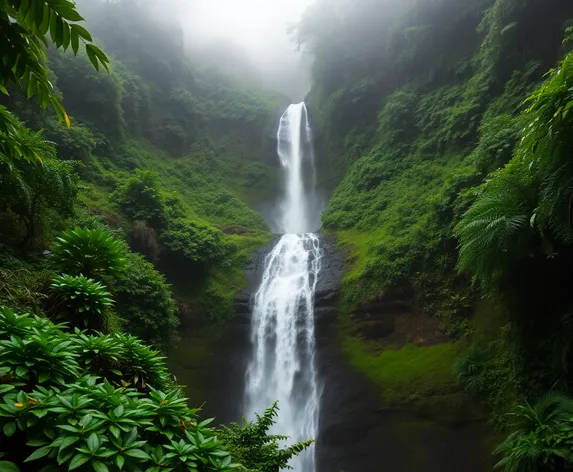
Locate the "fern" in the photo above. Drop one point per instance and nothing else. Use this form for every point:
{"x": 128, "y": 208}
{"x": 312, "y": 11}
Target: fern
{"x": 541, "y": 436}
{"x": 257, "y": 450}
{"x": 496, "y": 229}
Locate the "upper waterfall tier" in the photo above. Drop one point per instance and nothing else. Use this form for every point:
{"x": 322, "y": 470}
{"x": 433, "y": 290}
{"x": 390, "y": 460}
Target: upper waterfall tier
{"x": 294, "y": 149}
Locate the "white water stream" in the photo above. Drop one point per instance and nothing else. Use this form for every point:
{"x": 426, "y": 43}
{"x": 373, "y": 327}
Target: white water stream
{"x": 282, "y": 367}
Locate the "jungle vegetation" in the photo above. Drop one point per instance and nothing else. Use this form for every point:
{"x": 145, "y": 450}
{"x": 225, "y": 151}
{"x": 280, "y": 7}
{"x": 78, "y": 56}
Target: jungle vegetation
{"x": 445, "y": 126}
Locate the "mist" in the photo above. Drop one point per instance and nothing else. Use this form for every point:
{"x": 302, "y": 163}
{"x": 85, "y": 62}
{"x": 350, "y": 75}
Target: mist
{"x": 254, "y": 32}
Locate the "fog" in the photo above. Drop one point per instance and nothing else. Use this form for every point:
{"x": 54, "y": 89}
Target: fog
{"x": 249, "y": 39}
{"x": 256, "y": 30}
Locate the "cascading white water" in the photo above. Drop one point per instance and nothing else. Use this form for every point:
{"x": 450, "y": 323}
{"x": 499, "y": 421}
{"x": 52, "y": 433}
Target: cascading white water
{"x": 282, "y": 367}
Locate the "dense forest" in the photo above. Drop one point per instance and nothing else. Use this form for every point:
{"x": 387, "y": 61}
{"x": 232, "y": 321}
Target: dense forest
{"x": 133, "y": 179}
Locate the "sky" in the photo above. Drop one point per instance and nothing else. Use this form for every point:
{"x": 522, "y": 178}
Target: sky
{"x": 260, "y": 28}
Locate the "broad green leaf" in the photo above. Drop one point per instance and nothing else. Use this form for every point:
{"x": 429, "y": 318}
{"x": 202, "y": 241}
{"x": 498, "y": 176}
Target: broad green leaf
{"x": 43, "y": 377}
{"x": 38, "y": 454}
{"x": 75, "y": 40}
{"x": 206, "y": 422}
{"x": 66, "y": 36}
{"x": 54, "y": 28}
{"x": 82, "y": 32}
{"x": 69, "y": 13}
{"x": 78, "y": 461}
{"x": 64, "y": 455}
{"x": 45, "y": 25}
{"x": 92, "y": 56}
{"x": 9, "y": 429}
{"x": 5, "y": 388}
{"x": 101, "y": 56}
{"x": 93, "y": 442}
{"x": 100, "y": 467}
{"x": 37, "y": 442}
{"x": 137, "y": 453}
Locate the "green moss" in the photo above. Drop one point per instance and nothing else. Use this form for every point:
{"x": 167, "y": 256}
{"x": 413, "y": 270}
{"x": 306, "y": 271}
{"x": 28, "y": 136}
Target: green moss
{"x": 404, "y": 375}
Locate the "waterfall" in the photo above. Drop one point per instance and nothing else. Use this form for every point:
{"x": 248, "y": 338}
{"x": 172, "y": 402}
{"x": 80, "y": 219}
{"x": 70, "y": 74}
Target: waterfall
{"x": 282, "y": 366}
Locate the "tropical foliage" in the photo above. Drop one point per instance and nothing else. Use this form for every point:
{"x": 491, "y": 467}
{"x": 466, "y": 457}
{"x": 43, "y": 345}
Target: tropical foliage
{"x": 84, "y": 301}
{"x": 25, "y": 27}
{"x": 89, "y": 252}
{"x": 258, "y": 451}
{"x": 543, "y": 438}
{"x": 58, "y": 411}
{"x": 145, "y": 303}
{"x": 158, "y": 155}
{"x": 106, "y": 402}
{"x": 35, "y": 194}
{"x": 525, "y": 207}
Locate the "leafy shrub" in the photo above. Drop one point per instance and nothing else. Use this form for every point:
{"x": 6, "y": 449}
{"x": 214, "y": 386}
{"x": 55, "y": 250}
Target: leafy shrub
{"x": 39, "y": 192}
{"x": 33, "y": 351}
{"x": 497, "y": 230}
{"x": 89, "y": 252}
{"x": 498, "y": 137}
{"x": 145, "y": 302}
{"x": 542, "y": 438}
{"x": 258, "y": 451}
{"x": 527, "y": 204}
{"x": 142, "y": 367}
{"x": 84, "y": 302}
{"x": 494, "y": 373}
{"x": 23, "y": 283}
{"x": 141, "y": 197}
{"x": 92, "y": 425}
{"x": 195, "y": 240}
{"x": 122, "y": 359}
{"x": 174, "y": 137}
{"x": 397, "y": 120}
{"x": 469, "y": 370}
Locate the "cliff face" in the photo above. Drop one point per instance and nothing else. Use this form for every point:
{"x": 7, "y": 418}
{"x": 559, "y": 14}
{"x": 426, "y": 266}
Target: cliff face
{"x": 357, "y": 430}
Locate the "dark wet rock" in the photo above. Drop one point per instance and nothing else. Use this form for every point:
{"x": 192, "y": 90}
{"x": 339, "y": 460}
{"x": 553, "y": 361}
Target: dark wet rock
{"x": 243, "y": 303}
{"x": 325, "y": 313}
{"x": 255, "y": 266}
{"x": 331, "y": 270}
{"x": 326, "y": 298}
{"x": 327, "y": 295}
{"x": 377, "y": 329}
